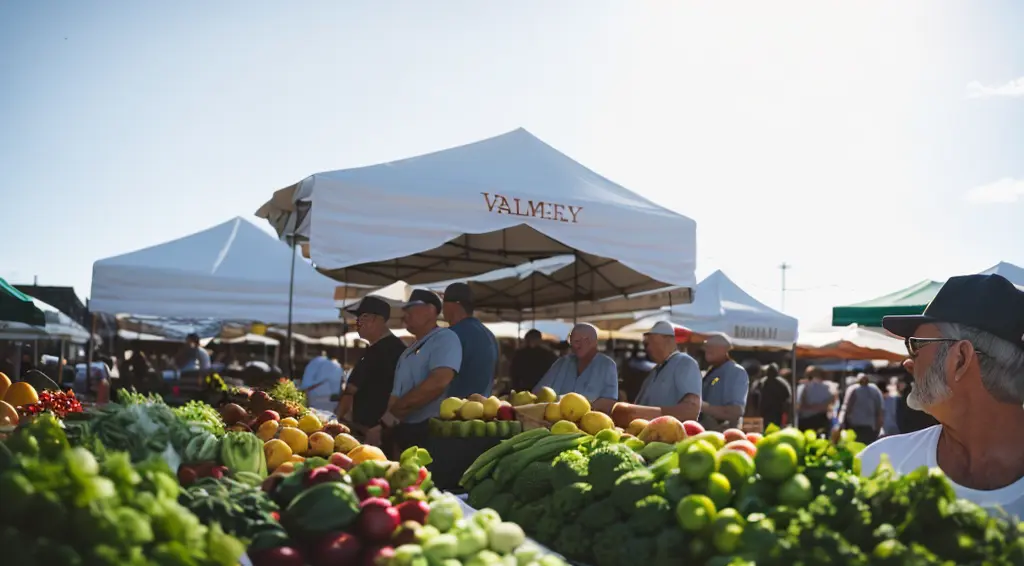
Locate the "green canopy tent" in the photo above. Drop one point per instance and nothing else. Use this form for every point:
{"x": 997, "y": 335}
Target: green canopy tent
{"x": 911, "y": 300}
{"x": 16, "y": 306}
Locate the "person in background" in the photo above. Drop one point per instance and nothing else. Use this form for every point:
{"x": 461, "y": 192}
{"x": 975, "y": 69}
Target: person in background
{"x": 892, "y": 399}
{"x": 815, "y": 402}
{"x": 673, "y": 387}
{"x": 725, "y": 387}
{"x": 321, "y": 381}
{"x": 776, "y": 397}
{"x": 863, "y": 410}
{"x": 531, "y": 362}
{"x": 480, "y": 348}
{"x": 424, "y": 372}
{"x": 193, "y": 357}
{"x": 966, "y": 353}
{"x": 754, "y": 375}
{"x": 585, "y": 371}
{"x": 365, "y": 399}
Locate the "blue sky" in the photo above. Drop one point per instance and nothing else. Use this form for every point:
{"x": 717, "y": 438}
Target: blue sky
{"x": 869, "y": 145}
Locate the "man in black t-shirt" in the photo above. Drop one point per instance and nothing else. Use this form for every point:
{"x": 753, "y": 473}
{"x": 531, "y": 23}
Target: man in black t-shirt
{"x": 365, "y": 399}
{"x": 531, "y": 362}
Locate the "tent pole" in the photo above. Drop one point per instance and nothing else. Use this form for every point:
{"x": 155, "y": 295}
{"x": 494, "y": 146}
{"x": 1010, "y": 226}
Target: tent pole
{"x": 793, "y": 380}
{"x": 291, "y": 304}
{"x": 575, "y": 287}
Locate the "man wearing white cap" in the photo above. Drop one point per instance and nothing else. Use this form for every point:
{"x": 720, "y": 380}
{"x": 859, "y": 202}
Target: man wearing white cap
{"x": 726, "y": 385}
{"x": 673, "y": 387}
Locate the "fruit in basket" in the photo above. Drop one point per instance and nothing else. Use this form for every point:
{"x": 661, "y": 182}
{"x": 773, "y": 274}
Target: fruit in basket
{"x": 471, "y": 410}
{"x": 365, "y": 452}
{"x": 345, "y": 442}
{"x": 506, "y": 412}
{"x": 295, "y": 438}
{"x": 277, "y": 452}
{"x": 573, "y": 406}
{"x": 478, "y": 427}
{"x": 290, "y": 421}
{"x": 310, "y": 423}
{"x": 665, "y": 428}
{"x": 233, "y": 413}
{"x": 546, "y": 395}
{"x": 594, "y": 422}
{"x": 321, "y": 444}
{"x": 21, "y": 393}
{"x": 552, "y": 413}
{"x": 334, "y": 428}
{"x": 477, "y": 398}
{"x": 522, "y": 398}
{"x": 636, "y": 426}
{"x": 8, "y": 414}
{"x": 450, "y": 408}
{"x": 267, "y": 430}
{"x": 491, "y": 406}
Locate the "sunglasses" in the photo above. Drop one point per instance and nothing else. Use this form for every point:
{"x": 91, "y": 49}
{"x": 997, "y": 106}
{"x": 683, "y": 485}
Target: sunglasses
{"x": 914, "y": 345}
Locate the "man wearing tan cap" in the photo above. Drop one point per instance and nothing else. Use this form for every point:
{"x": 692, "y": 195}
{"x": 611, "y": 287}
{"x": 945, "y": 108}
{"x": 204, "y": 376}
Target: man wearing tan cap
{"x": 673, "y": 387}
{"x": 726, "y": 385}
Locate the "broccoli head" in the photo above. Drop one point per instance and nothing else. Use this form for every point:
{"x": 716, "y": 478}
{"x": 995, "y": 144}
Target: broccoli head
{"x": 502, "y": 503}
{"x": 533, "y": 483}
{"x": 599, "y": 515}
{"x": 632, "y": 487}
{"x": 669, "y": 545}
{"x": 482, "y": 493}
{"x": 608, "y": 545}
{"x": 570, "y": 500}
{"x": 650, "y": 515}
{"x": 568, "y": 468}
{"x": 549, "y": 526}
{"x": 525, "y": 515}
{"x": 575, "y": 542}
{"x": 676, "y": 487}
{"x": 607, "y": 464}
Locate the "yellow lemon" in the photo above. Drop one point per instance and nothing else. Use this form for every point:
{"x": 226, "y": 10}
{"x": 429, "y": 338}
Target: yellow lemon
{"x": 564, "y": 427}
{"x": 277, "y": 452}
{"x": 295, "y": 438}
{"x": 289, "y": 421}
{"x": 310, "y": 424}
{"x": 552, "y": 413}
{"x": 21, "y": 393}
{"x": 594, "y": 422}
{"x": 573, "y": 406}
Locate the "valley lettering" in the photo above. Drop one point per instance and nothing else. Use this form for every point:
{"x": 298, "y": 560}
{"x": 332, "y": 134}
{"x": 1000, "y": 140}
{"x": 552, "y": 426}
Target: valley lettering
{"x": 500, "y": 204}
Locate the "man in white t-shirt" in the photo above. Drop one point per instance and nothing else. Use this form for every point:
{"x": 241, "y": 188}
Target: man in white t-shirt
{"x": 967, "y": 358}
{"x": 320, "y": 381}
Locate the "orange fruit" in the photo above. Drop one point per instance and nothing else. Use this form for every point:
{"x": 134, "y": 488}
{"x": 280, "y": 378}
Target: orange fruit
{"x": 365, "y": 452}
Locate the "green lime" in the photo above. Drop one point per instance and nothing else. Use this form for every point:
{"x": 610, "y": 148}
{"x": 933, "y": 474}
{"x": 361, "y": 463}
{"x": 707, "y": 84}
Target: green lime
{"x": 737, "y": 466}
{"x": 609, "y": 435}
{"x": 796, "y": 491}
{"x": 719, "y": 489}
{"x": 635, "y": 444}
{"x": 792, "y": 437}
{"x": 698, "y": 461}
{"x": 729, "y": 516}
{"x": 776, "y": 462}
{"x": 727, "y": 539}
{"x": 695, "y": 512}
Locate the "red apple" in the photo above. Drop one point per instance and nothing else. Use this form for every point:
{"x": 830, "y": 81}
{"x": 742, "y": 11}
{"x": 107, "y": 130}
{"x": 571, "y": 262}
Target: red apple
{"x": 378, "y": 556}
{"x": 280, "y": 556}
{"x": 413, "y": 510}
{"x": 506, "y": 413}
{"x": 742, "y": 446}
{"x": 336, "y": 548}
{"x": 341, "y": 460}
{"x": 692, "y": 428}
{"x": 377, "y": 520}
{"x": 267, "y": 415}
{"x": 754, "y": 437}
{"x": 734, "y": 434}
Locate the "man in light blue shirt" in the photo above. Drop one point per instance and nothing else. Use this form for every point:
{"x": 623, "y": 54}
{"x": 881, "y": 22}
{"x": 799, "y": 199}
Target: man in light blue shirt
{"x": 674, "y": 385}
{"x": 726, "y": 384}
{"x": 584, "y": 371}
{"x": 423, "y": 373}
{"x": 320, "y": 381}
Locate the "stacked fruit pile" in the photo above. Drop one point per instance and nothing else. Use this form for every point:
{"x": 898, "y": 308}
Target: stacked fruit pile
{"x": 713, "y": 498}
{"x": 288, "y": 441}
{"x": 475, "y": 416}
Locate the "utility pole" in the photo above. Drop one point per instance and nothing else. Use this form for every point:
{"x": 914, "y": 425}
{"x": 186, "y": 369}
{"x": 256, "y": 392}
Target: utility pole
{"x": 785, "y": 266}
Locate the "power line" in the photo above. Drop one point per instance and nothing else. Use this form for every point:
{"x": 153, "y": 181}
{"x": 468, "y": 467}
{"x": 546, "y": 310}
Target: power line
{"x": 785, "y": 266}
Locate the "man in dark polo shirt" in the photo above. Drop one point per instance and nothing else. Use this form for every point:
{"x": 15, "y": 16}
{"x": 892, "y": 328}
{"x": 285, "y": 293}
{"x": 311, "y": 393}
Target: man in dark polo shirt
{"x": 369, "y": 386}
{"x": 480, "y": 349}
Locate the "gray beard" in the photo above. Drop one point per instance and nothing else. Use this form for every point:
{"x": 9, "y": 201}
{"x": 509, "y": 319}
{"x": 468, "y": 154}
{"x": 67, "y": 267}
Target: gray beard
{"x": 931, "y": 390}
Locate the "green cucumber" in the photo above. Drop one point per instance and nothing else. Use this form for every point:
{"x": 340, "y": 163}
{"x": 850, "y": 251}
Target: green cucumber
{"x": 502, "y": 449}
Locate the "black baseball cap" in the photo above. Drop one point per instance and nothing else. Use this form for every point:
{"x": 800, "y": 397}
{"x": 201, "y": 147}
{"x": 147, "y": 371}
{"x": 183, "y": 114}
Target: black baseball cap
{"x": 989, "y": 303}
{"x": 373, "y": 305}
{"x": 423, "y": 297}
{"x": 459, "y": 293}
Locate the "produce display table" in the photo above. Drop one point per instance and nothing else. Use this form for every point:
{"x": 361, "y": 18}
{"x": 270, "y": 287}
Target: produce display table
{"x": 468, "y": 511}
{"x": 453, "y": 456}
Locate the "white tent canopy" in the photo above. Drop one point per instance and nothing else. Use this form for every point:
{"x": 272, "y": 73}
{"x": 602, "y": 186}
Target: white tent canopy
{"x": 851, "y": 342}
{"x": 1010, "y": 271}
{"x": 232, "y": 271}
{"x": 471, "y": 209}
{"x": 722, "y": 306}
{"x": 59, "y": 326}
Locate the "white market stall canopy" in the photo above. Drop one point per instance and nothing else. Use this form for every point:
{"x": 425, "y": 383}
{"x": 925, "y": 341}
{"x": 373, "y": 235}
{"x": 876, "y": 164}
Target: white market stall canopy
{"x": 851, "y": 342}
{"x": 468, "y": 210}
{"x": 720, "y": 305}
{"x": 59, "y": 326}
{"x": 232, "y": 271}
{"x": 1011, "y": 272}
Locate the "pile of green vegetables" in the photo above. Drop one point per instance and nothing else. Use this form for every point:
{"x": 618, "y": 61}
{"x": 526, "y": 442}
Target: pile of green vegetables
{"x": 241, "y": 509}
{"x": 799, "y": 500}
{"x": 201, "y": 415}
{"x": 62, "y": 506}
{"x": 142, "y": 429}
